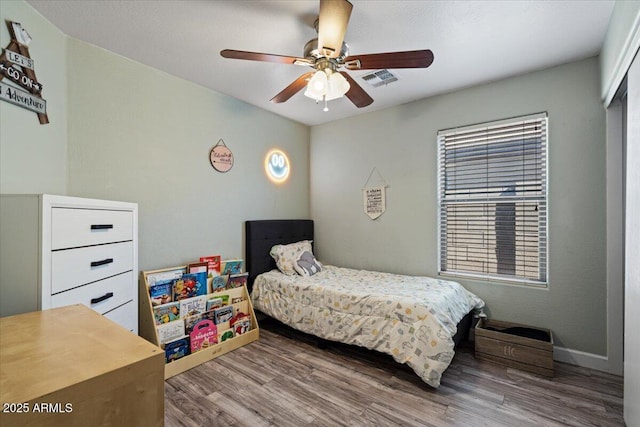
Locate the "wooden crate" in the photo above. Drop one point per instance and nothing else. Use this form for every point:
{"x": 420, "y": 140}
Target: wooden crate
{"x": 70, "y": 366}
{"x": 147, "y": 328}
{"x": 526, "y": 354}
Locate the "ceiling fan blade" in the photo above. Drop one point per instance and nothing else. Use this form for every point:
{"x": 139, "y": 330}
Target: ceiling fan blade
{"x": 265, "y": 57}
{"x": 293, "y": 88}
{"x": 408, "y": 59}
{"x": 332, "y": 26}
{"x": 356, "y": 94}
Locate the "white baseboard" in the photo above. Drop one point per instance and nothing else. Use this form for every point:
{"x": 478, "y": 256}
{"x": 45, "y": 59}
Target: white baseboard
{"x": 585, "y": 360}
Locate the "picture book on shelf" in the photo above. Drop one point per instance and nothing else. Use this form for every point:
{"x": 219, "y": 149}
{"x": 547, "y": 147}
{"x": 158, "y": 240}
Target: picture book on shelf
{"x": 218, "y": 284}
{"x": 241, "y": 323}
{"x": 213, "y": 303}
{"x": 163, "y": 276}
{"x": 204, "y": 334}
{"x": 166, "y": 313}
{"x": 222, "y": 314}
{"x": 213, "y": 264}
{"x": 237, "y": 280}
{"x": 193, "y": 305}
{"x": 190, "y": 321}
{"x": 198, "y": 267}
{"x": 190, "y": 285}
{"x": 231, "y": 266}
{"x": 170, "y": 331}
{"x": 226, "y": 335}
{"x": 161, "y": 292}
{"x": 217, "y": 301}
{"x": 176, "y": 349}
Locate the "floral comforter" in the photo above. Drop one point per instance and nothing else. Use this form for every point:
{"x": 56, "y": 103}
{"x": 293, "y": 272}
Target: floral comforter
{"x": 411, "y": 318}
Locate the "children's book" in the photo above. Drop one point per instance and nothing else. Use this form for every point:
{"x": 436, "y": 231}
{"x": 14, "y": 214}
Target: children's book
{"x": 161, "y": 292}
{"x": 176, "y": 349}
{"x": 192, "y": 306}
{"x": 190, "y": 321}
{"x": 222, "y": 314}
{"x": 237, "y": 280}
{"x": 190, "y": 285}
{"x": 198, "y": 267}
{"x": 203, "y": 335}
{"x": 217, "y": 302}
{"x": 166, "y": 313}
{"x": 213, "y": 303}
{"x": 231, "y": 266}
{"x": 218, "y": 283}
{"x": 226, "y": 335}
{"x": 241, "y": 323}
{"x": 163, "y": 276}
{"x": 213, "y": 264}
{"x": 170, "y": 331}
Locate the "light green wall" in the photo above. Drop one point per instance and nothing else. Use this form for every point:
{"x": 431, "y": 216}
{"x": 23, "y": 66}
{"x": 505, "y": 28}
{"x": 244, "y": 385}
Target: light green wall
{"x": 401, "y": 143}
{"x": 138, "y": 134}
{"x": 123, "y": 131}
{"x": 33, "y": 157}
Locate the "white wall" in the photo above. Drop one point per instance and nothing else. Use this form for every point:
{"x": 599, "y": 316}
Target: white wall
{"x": 141, "y": 135}
{"x": 33, "y": 157}
{"x": 401, "y": 143}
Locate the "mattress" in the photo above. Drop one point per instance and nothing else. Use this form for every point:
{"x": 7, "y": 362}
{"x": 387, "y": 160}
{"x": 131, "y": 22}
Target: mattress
{"x": 412, "y": 318}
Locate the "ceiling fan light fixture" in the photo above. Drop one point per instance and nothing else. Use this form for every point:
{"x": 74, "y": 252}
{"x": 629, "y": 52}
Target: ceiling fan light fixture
{"x": 338, "y": 86}
{"x": 317, "y": 86}
{"x": 326, "y": 85}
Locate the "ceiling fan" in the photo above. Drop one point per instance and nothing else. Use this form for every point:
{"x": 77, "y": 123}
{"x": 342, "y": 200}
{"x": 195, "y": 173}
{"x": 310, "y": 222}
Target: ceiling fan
{"x": 328, "y": 53}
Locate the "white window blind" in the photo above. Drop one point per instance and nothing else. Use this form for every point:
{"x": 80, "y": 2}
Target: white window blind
{"x": 492, "y": 200}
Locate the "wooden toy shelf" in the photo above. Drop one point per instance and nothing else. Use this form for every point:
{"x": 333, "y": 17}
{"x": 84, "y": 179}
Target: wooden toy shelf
{"x": 148, "y": 330}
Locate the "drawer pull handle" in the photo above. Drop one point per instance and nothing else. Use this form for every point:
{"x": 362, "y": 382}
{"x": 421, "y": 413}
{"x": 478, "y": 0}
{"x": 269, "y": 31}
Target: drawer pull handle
{"x": 102, "y": 298}
{"x": 101, "y": 226}
{"x": 103, "y": 262}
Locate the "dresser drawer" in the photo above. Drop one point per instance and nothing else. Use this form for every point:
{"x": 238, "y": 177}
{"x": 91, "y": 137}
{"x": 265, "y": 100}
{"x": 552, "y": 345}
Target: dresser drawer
{"x": 75, "y": 267}
{"x": 126, "y": 315}
{"x": 72, "y": 228}
{"x": 101, "y": 296}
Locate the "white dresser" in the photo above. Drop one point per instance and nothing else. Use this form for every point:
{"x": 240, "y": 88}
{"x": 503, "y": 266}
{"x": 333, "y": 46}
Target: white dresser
{"x": 58, "y": 250}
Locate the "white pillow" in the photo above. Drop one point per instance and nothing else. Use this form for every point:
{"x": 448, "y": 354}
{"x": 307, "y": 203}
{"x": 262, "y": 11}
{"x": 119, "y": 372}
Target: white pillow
{"x": 287, "y": 258}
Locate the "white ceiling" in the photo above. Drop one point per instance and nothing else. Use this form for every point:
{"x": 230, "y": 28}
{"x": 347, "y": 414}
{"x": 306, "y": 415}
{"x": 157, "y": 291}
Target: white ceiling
{"x": 473, "y": 42}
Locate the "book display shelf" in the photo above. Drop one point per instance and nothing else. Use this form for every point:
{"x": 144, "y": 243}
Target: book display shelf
{"x": 161, "y": 322}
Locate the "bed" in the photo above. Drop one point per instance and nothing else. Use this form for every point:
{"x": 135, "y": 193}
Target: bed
{"x": 416, "y": 320}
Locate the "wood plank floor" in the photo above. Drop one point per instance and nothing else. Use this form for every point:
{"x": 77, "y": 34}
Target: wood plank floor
{"x": 284, "y": 379}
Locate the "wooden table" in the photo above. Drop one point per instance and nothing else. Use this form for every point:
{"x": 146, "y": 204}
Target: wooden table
{"x": 70, "y": 366}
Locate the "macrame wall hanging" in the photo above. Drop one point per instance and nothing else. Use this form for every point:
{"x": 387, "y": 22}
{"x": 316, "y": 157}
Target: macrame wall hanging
{"x": 374, "y": 197}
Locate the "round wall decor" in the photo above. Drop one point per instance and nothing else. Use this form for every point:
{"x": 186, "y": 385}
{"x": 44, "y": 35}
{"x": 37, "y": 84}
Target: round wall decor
{"x": 221, "y": 157}
{"x": 276, "y": 164}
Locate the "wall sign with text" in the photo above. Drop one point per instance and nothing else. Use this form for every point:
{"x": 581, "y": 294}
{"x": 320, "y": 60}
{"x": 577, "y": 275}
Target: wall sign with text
{"x": 21, "y": 86}
{"x": 374, "y": 196}
{"x": 221, "y": 157}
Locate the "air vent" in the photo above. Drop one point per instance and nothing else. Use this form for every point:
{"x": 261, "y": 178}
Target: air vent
{"x": 379, "y": 78}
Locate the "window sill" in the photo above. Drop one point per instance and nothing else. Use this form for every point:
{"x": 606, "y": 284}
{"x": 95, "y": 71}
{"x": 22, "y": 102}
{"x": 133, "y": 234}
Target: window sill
{"x": 496, "y": 280}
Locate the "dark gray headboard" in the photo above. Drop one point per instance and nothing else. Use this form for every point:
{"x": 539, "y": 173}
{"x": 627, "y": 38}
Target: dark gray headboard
{"x": 261, "y": 235}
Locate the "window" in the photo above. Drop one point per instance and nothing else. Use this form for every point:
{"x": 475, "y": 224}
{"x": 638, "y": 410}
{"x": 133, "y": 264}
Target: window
{"x": 492, "y": 200}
